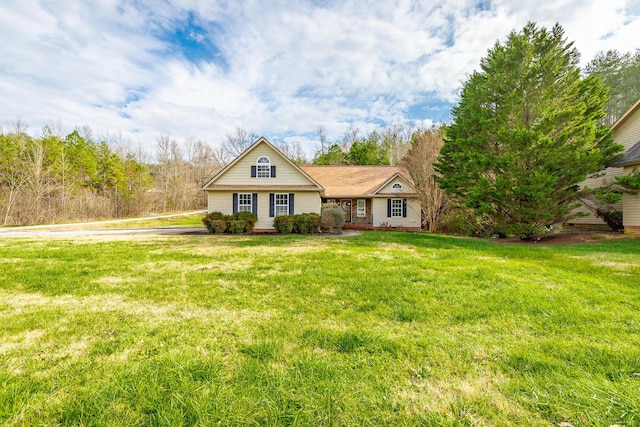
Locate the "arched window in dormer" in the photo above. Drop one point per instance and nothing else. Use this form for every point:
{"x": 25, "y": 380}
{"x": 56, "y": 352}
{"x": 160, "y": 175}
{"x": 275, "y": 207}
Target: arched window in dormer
{"x": 263, "y": 167}
{"x": 397, "y": 186}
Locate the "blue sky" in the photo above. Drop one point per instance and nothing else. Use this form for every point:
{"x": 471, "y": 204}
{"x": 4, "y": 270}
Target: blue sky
{"x": 198, "y": 69}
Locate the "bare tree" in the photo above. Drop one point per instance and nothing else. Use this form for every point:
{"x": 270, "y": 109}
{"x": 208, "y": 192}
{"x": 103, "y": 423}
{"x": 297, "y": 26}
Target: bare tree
{"x": 349, "y": 137}
{"x": 422, "y": 154}
{"x": 397, "y": 140}
{"x": 322, "y": 137}
{"x": 293, "y": 150}
{"x": 17, "y": 127}
{"x": 37, "y": 175}
{"x": 236, "y": 142}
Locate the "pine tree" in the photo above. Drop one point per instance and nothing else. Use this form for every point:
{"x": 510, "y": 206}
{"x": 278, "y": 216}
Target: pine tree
{"x": 525, "y": 134}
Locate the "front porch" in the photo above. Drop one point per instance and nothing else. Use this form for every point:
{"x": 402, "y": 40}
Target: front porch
{"x": 357, "y": 213}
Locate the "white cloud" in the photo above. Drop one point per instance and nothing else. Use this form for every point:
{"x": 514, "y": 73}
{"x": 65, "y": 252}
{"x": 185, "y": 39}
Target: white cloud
{"x": 286, "y": 69}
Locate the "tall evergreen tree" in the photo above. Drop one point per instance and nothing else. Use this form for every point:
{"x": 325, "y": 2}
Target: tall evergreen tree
{"x": 621, "y": 74}
{"x": 525, "y": 134}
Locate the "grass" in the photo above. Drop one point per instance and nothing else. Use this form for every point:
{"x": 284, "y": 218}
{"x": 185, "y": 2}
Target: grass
{"x": 378, "y": 329}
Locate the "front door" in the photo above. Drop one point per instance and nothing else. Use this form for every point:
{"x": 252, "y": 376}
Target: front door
{"x": 346, "y": 205}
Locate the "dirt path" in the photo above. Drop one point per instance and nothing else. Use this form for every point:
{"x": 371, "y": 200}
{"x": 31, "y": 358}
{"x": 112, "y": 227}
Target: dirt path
{"x": 78, "y": 229}
{"x": 110, "y": 221}
{"x": 166, "y": 231}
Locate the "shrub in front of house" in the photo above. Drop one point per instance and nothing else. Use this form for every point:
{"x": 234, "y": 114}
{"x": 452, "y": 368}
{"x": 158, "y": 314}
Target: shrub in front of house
{"x": 217, "y": 226}
{"x": 284, "y": 223}
{"x": 306, "y": 223}
{"x": 331, "y": 218}
{"x": 249, "y": 218}
{"x": 241, "y": 222}
{"x": 215, "y": 222}
{"x": 237, "y": 226}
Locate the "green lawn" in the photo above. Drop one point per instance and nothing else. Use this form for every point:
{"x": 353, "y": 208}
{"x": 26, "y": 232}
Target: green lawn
{"x": 378, "y": 329}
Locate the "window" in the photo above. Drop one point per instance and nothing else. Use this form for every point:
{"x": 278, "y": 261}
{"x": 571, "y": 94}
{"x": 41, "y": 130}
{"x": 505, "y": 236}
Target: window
{"x": 396, "y": 185}
{"x": 244, "y": 202}
{"x": 281, "y": 204}
{"x": 396, "y": 208}
{"x": 362, "y": 208}
{"x": 263, "y": 167}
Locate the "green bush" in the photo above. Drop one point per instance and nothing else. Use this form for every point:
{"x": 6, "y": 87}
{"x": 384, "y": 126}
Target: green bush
{"x": 284, "y": 223}
{"x": 215, "y": 222}
{"x": 217, "y": 226}
{"x": 240, "y": 222}
{"x": 237, "y": 226}
{"x": 331, "y": 218}
{"x": 306, "y": 223}
{"x": 249, "y": 218}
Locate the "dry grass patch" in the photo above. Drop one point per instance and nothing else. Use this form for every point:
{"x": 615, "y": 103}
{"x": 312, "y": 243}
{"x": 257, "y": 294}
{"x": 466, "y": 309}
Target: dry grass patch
{"x": 446, "y": 396}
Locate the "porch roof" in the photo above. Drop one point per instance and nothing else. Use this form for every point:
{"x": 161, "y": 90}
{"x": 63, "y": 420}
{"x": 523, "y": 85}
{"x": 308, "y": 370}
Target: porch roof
{"x": 631, "y": 157}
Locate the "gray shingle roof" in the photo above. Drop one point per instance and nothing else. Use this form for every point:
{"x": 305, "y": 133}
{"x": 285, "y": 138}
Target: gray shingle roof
{"x": 631, "y": 157}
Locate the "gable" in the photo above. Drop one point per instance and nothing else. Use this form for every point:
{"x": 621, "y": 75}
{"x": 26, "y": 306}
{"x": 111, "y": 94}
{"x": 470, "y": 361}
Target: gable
{"x": 626, "y": 130}
{"x": 397, "y": 185}
{"x": 239, "y": 173}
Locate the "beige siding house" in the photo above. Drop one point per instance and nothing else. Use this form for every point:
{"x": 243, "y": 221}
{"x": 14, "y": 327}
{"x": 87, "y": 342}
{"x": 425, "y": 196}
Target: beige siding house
{"x": 264, "y": 181}
{"x": 631, "y": 202}
{"x": 626, "y": 132}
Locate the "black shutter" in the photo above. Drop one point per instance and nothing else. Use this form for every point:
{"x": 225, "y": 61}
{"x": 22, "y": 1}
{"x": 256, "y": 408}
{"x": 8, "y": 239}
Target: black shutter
{"x": 404, "y": 208}
{"x": 273, "y": 171}
{"x": 254, "y": 203}
{"x": 388, "y": 208}
{"x": 253, "y": 171}
{"x": 235, "y": 203}
{"x": 272, "y": 203}
{"x": 291, "y": 204}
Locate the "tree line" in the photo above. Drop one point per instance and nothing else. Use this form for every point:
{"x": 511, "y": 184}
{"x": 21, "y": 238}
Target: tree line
{"x": 49, "y": 177}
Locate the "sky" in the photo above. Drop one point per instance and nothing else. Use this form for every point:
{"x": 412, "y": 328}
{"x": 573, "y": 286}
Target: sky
{"x": 189, "y": 69}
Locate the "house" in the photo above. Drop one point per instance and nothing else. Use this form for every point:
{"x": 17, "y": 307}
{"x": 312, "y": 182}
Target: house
{"x": 626, "y": 132}
{"x": 631, "y": 202}
{"x": 264, "y": 181}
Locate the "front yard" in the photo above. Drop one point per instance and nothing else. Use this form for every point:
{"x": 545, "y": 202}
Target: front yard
{"x": 377, "y": 329}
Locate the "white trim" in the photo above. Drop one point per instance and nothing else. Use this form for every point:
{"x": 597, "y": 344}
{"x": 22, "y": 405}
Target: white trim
{"x": 245, "y": 207}
{"x": 400, "y": 178}
{"x": 626, "y": 114}
{"x": 396, "y": 208}
{"x": 281, "y": 208}
{"x": 361, "y": 211}
{"x": 263, "y": 167}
